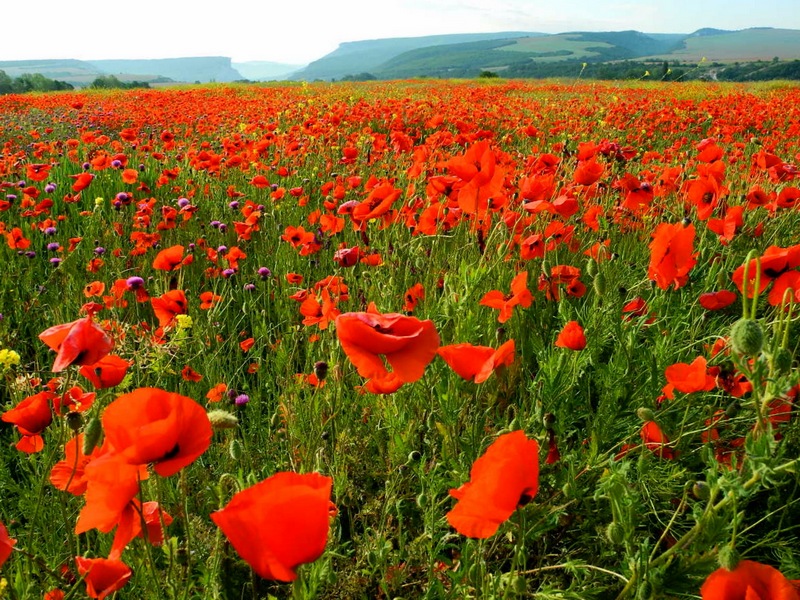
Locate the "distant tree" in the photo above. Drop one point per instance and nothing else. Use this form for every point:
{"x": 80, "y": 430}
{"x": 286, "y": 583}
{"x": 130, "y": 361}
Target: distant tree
{"x": 488, "y": 75}
{"x": 6, "y": 83}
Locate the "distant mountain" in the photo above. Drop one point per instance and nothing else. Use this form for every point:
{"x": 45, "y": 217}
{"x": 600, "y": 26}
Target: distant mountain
{"x": 366, "y": 56}
{"x": 265, "y": 70}
{"x": 203, "y": 69}
{"x": 467, "y": 55}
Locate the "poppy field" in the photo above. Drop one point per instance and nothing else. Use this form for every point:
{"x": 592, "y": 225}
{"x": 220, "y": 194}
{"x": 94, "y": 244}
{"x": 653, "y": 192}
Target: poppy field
{"x": 418, "y": 339}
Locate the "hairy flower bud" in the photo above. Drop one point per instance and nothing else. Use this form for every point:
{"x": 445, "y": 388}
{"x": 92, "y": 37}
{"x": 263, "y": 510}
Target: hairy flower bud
{"x": 747, "y": 337}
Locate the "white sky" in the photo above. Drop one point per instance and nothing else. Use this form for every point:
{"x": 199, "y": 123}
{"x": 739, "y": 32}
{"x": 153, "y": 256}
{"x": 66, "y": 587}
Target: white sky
{"x": 299, "y": 31}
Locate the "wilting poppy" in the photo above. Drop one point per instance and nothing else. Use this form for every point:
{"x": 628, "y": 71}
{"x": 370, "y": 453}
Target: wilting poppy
{"x": 81, "y": 342}
{"x": 505, "y": 477}
{"x": 280, "y": 523}
{"x": 477, "y": 363}
{"x": 571, "y": 337}
{"x": 750, "y": 580}
{"x": 150, "y": 425}
{"x": 103, "y": 576}
{"x": 6, "y": 545}
{"x": 108, "y": 372}
{"x": 408, "y": 343}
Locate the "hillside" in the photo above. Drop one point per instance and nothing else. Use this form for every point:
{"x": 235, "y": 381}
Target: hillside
{"x": 203, "y": 69}
{"x": 535, "y": 55}
{"x": 265, "y": 70}
{"x": 368, "y": 55}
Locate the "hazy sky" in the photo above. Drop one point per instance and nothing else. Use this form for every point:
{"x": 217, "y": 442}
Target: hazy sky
{"x": 299, "y": 31}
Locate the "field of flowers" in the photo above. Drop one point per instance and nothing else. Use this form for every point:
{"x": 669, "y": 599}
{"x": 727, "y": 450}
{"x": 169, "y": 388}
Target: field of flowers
{"x": 411, "y": 340}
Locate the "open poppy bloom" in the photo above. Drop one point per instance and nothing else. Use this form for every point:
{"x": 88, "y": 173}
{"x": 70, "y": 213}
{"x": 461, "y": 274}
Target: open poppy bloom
{"x": 571, "y": 337}
{"x": 688, "y": 378}
{"x": 81, "y": 342}
{"x": 505, "y": 477}
{"x": 130, "y": 526}
{"x": 750, "y": 580}
{"x": 6, "y": 544}
{"x": 671, "y": 255}
{"x": 31, "y": 416}
{"x": 519, "y": 296}
{"x": 108, "y": 372}
{"x": 103, "y": 576}
{"x": 408, "y": 344}
{"x": 68, "y": 474}
{"x": 150, "y": 425}
{"x": 477, "y": 363}
{"x": 279, "y": 524}
{"x": 171, "y": 259}
{"x": 168, "y": 306}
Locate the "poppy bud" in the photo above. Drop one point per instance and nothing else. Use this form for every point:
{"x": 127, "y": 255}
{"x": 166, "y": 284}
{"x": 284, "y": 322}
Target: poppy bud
{"x": 733, "y": 409}
{"x": 782, "y": 361}
{"x": 236, "y": 450}
{"x": 548, "y": 420}
{"x": 74, "y": 421}
{"x": 591, "y": 267}
{"x": 546, "y": 269}
{"x": 747, "y": 337}
{"x": 645, "y": 414}
{"x": 728, "y": 557}
{"x": 701, "y": 491}
{"x": 92, "y": 435}
{"x": 645, "y": 591}
{"x": 599, "y": 284}
{"x": 321, "y": 369}
{"x": 615, "y": 533}
{"x": 222, "y": 419}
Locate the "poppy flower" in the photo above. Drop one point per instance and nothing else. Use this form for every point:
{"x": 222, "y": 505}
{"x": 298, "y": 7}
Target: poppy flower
{"x": 6, "y": 544}
{"x": 407, "y": 343}
{"x": 111, "y": 484}
{"x": 688, "y": 378}
{"x": 505, "y": 477}
{"x": 216, "y": 393}
{"x": 519, "y": 296}
{"x": 750, "y": 580}
{"x": 130, "y": 526}
{"x": 107, "y": 372}
{"x": 171, "y": 259}
{"x": 74, "y": 400}
{"x": 279, "y": 524}
{"x": 717, "y": 300}
{"x": 671, "y": 255}
{"x": 571, "y": 337}
{"x": 189, "y": 374}
{"x": 103, "y": 576}
{"x": 167, "y": 306}
{"x": 477, "y": 363}
{"x": 68, "y": 475}
{"x": 82, "y": 181}
{"x": 208, "y": 299}
{"x": 150, "y": 425}
{"x": 31, "y": 416}
{"x": 656, "y": 440}
{"x": 81, "y": 342}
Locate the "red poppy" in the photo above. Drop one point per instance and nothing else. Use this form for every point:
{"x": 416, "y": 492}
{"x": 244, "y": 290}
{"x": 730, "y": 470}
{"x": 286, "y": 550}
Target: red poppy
{"x": 216, "y": 393}
{"x": 717, "y": 300}
{"x": 6, "y": 544}
{"x": 103, "y": 576}
{"x": 37, "y": 172}
{"x": 130, "y": 526}
{"x": 280, "y": 523}
{"x": 656, "y": 440}
{"x": 171, "y": 259}
{"x": 671, "y": 255}
{"x": 107, "y": 372}
{"x": 82, "y": 181}
{"x": 571, "y": 337}
{"x": 208, "y": 299}
{"x": 81, "y": 342}
{"x": 150, "y": 425}
{"x": 519, "y": 296}
{"x": 74, "y": 400}
{"x": 31, "y": 416}
{"x": 189, "y": 374}
{"x": 688, "y": 378}
{"x": 477, "y": 363}
{"x": 750, "y": 580}
{"x": 68, "y": 475}
{"x": 412, "y": 296}
{"x": 168, "y": 306}
{"x": 407, "y": 343}
{"x": 505, "y": 477}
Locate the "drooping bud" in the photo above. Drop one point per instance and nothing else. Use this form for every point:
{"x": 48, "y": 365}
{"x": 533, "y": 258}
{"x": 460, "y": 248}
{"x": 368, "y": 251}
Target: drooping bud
{"x": 728, "y": 557}
{"x": 92, "y": 435}
{"x": 645, "y": 414}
